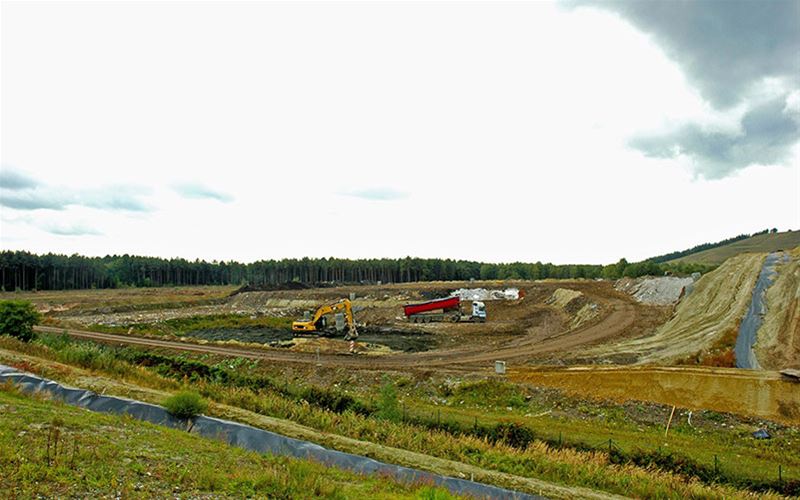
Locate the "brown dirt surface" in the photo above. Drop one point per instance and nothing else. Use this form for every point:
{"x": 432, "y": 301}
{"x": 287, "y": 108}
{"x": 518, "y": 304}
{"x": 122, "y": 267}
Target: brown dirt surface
{"x": 518, "y": 331}
{"x": 104, "y": 301}
{"x": 712, "y": 311}
{"x": 778, "y": 340}
{"x": 760, "y": 393}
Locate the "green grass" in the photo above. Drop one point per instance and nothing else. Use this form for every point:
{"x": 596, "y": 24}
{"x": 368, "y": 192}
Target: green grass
{"x": 53, "y": 450}
{"x": 761, "y": 243}
{"x": 574, "y": 464}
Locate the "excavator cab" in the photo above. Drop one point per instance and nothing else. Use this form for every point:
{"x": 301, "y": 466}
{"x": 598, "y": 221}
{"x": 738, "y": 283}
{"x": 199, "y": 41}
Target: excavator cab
{"x": 318, "y": 323}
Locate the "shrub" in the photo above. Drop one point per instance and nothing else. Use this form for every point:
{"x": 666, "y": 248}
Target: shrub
{"x": 511, "y": 433}
{"x": 17, "y": 318}
{"x": 331, "y": 400}
{"x": 388, "y": 406}
{"x": 185, "y": 404}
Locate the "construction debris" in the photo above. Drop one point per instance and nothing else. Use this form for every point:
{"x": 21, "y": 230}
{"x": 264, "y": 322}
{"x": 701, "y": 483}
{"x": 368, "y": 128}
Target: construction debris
{"x": 484, "y": 294}
{"x": 761, "y": 434}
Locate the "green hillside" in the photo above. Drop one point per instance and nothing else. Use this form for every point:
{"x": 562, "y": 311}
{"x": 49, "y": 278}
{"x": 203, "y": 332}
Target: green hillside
{"x": 758, "y": 243}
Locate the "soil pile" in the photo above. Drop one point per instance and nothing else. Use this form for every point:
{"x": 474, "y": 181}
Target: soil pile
{"x": 575, "y": 304}
{"x": 661, "y": 291}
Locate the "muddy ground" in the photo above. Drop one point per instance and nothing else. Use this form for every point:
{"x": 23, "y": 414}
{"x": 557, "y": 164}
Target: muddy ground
{"x": 396, "y": 340}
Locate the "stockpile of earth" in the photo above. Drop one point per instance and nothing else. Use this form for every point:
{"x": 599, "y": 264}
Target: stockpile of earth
{"x": 661, "y": 291}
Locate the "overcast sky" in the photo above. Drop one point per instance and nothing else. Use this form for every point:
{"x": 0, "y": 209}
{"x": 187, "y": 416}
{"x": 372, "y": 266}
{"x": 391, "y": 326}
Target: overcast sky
{"x": 570, "y": 132}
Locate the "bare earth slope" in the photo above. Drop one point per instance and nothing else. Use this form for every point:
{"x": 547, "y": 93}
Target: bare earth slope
{"x": 754, "y": 392}
{"x": 760, "y": 243}
{"x": 778, "y": 339}
{"x": 711, "y": 311}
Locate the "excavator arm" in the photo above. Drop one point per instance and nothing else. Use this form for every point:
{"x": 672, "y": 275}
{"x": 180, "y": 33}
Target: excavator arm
{"x": 316, "y": 324}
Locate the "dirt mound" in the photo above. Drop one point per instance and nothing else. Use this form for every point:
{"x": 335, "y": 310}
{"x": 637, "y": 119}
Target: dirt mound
{"x": 663, "y": 290}
{"x": 577, "y": 306}
{"x": 563, "y": 296}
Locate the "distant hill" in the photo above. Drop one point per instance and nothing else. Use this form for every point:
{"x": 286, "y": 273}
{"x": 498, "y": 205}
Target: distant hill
{"x": 758, "y": 243}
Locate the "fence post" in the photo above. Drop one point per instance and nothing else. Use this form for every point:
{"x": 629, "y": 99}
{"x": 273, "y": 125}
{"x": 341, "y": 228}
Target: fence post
{"x": 716, "y": 465}
{"x": 475, "y": 425}
{"x": 559, "y": 440}
{"x": 609, "y": 446}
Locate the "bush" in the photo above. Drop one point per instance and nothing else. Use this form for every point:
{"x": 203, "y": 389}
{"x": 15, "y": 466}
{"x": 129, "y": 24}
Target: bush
{"x": 17, "y": 318}
{"x": 388, "y": 407}
{"x": 513, "y": 434}
{"x": 185, "y": 404}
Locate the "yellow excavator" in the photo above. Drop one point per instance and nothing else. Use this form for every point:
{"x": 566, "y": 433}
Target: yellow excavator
{"x": 318, "y": 322}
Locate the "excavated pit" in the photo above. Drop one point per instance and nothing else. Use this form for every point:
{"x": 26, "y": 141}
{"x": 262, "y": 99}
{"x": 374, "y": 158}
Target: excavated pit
{"x": 396, "y": 340}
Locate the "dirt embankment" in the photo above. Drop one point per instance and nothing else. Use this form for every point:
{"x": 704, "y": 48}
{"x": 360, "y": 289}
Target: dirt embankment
{"x": 778, "y": 340}
{"x": 763, "y": 394}
{"x": 710, "y": 313}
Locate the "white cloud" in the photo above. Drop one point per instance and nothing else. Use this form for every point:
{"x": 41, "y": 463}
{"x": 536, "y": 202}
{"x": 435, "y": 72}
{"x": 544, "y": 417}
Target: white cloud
{"x": 500, "y": 132}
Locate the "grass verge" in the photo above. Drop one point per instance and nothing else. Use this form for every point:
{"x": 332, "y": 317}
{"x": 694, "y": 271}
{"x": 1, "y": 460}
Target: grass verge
{"x": 48, "y": 449}
{"x": 509, "y": 450}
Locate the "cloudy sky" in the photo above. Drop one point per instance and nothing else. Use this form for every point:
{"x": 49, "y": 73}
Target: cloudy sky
{"x": 566, "y": 132}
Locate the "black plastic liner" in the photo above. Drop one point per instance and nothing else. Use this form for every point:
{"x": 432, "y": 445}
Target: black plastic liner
{"x": 251, "y": 438}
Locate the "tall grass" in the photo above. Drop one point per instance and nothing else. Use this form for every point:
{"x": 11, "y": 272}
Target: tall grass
{"x": 506, "y": 447}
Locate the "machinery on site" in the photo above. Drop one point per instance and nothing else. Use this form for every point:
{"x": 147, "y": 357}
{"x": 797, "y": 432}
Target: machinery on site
{"x": 444, "y": 309}
{"x": 318, "y": 323}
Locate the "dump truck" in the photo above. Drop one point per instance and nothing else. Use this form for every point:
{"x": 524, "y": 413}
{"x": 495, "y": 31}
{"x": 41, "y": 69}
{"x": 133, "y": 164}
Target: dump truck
{"x": 444, "y": 309}
{"x": 318, "y": 323}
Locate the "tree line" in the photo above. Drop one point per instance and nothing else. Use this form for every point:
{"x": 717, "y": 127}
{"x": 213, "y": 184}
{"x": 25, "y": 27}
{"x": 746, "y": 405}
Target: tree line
{"x": 21, "y": 270}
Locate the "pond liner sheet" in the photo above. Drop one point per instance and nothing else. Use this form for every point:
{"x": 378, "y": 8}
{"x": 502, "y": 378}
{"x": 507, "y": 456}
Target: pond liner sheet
{"x": 250, "y": 438}
{"x": 748, "y": 328}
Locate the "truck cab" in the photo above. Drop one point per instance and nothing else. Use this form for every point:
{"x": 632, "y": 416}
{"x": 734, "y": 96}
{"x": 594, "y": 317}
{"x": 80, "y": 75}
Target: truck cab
{"x": 478, "y": 311}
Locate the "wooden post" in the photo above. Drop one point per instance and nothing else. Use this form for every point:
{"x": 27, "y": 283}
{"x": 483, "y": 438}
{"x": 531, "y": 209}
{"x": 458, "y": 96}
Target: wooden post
{"x": 669, "y": 422}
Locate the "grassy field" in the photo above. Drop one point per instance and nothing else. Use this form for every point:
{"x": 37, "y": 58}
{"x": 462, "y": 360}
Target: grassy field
{"x": 437, "y": 421}
{"x": 760, "y": 243}
{"x": 121, "y": 299}
{"x": 48, "y": 449}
